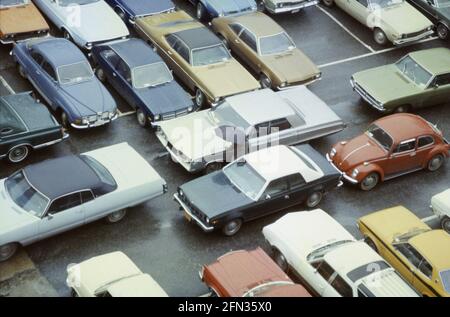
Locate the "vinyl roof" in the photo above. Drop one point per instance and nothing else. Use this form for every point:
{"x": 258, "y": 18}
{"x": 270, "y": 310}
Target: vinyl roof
{"x": 198, "y": 37}
{"x": 135, "y": 52}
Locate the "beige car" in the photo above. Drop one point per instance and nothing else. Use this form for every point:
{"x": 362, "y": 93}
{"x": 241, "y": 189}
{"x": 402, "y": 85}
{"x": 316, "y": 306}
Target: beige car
{"x": 267, "y": 50}
{"x": 197, "y": 56}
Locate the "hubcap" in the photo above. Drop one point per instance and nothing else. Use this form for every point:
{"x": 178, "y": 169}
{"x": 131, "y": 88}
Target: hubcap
{"x": 281, "y": 261}
{"x": 435, "y": 163}
{"x": 18, "y": 154}
{"x": 370, "y": 181}
{"x": 141, "y": 118}
{"x": 314, "y": 200}
{"x": 199, "y": 98}
{"x": 199, "y": 11}
{"x": 232, "y": 227}
{"x": 6, "y": 251}
{"x": 265, "y": 82}
{"x": 116, "y": 216}
{"x": 380, "y": 38}
{"x": 446, "y": 225}
{"x": 101, "y": 74}
{"x": 64, "y": 120}
{"x": 442, "y": 32}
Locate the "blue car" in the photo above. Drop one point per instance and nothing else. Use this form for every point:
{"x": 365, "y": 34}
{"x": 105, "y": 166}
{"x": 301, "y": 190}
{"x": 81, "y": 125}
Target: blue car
{"x": 130, "y": 10}
{"x": 142, "y": 79}
{"x": 210, "y": 9}
{"x": 60, "y": 72}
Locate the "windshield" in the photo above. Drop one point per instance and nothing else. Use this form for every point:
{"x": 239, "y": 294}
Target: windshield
{"x": 10, "y": 3}
{"x": 413, "y": 71}
{"x": 151, "y": 75}
{"x": 380, "y": 136}
{"x": 210, "y": 55}
{"x": 442, "y": 3}
{"x": 25, "y": 196}
{"x": 243, "y": 176}
{"x": 445, "y": 279}
{"x": 384, "y": 3}
{"x": 65, "y": 3}
{"x": 225, "y": 114}
{"x": 275, "y": 44}
{"x": 75, "y": 73}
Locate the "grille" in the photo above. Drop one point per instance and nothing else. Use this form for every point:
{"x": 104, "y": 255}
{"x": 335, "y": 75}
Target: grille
{"x": 409, "y": 35}
{"x": 175, "y": 114}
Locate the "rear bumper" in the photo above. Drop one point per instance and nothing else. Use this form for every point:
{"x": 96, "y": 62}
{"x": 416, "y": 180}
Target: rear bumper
{"x": 345, "y": 176}
{"x": 65, "y": 136}
{"x": 292, "y": 8}
{"x": 186, "y": 209}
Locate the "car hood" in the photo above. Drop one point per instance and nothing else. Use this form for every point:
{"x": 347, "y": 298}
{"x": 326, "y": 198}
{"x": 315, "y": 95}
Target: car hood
{"x": 214, "y": 194}
{"x": 144, "y": 8}
{"x": 404, "y": 18}
{"x": 180, "y": 133}
{"x": 29, "y": 17}
{"x": 291, "y": 67}
{"x": 394, "y": 85}
{"x": 231, "y": 6}
{"x": 441, "y": 202}
{"x": 89, "y": 97}
{"x": 89, "y": 28}
{"x": 226, "y": 79}
{"x": 357, "y": 151}
{"x": 166, "y": 98}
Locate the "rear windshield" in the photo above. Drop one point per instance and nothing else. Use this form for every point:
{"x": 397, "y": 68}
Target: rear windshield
{"x": 109, "y": 184}
{"x": 445, "y": 278}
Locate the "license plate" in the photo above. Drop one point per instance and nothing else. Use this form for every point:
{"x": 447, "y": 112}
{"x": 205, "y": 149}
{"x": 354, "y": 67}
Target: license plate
{"x": 188, "y": 217}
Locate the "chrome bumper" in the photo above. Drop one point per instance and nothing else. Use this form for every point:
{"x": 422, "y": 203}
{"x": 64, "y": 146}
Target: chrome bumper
{"x": 305, "y": 83}
{"x": 65, "y": 136}
{"x": 292, "y": 8}
{"x": 414, "y": 39}
{"x": 186, "y": 210}
{"x": 96, "y": 124}
{"x": 345, "y": 176}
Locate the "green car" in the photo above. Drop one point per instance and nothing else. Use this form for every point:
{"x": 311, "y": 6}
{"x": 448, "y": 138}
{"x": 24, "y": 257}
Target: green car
{"x": 419, "y": 79}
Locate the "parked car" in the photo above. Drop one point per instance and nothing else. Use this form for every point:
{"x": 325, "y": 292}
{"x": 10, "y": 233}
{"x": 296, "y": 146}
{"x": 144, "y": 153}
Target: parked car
{"x": 40, "y": 200}
{"x": 63, "y": 76}
{"x": 111, "y": 275}
{"x": 130, "y": 10}
{"x": 392, "y": 146}
{"x": 419, "y": 79}
{"x": 256, "y": 185}
{"x": 205, "y": 140}
{"x": 317, "y": 249}
{"x": 420, "y": 254}
{"x": 85, "y": 22}
{"x": 209, "y": 9}
{"x": 26, "y": 125}
{"x": 249, "y": 274}
{"x": 197, "y": 57}
{"x": 267, "y": 50}
{"x": 438, "y": 12}
{"x": 142, "y": 79}
{"x": 32, "y": 23}
{"x": 440, "y": 204}
{"x": 290, "y": 6}
{"x": 394, "y": 21}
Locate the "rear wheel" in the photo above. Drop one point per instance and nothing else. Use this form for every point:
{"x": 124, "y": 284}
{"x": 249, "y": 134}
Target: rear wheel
{"x": 199, "y": 98}
{"x": 445, "y": 223}
{"x": 65, "y": 120}
{"x": 116, "y": 216}
{"x": 442, "y": 31}
{"x": 435, "y": 163}
{"x": 7, "y": 251}
{"x": 314, "y": 199}
{"x": 265, "y": 81}
{"x": 213, "y": 167}
{"x": 200, "y": 12}
{"x": 280, "y": 259}
{"x": 142, "y": 118}
{"x": 371, "y": 244}
{"x": 328, "y": 3}
{"x": 380, "y": 37}
{"x": 370, "y": 182}
{"x": 22, "y": 72}
{"x": 100, "y": 75}
{"x": 67, "y": 35}
{"x": 18, "y": 154}
{"x": 232, "y": 227}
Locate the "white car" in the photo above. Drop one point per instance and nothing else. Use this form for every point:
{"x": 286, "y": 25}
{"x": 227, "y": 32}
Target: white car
{"x": 111, "y": 275}
{"x": 327, "y": 257}
{"x": 86, "y": 22}
{"x": 440, "y": 204}
{"x": 53, "y": 196}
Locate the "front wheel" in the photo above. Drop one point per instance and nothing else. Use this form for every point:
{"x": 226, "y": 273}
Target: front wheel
{"x": 314, "y": 199}
{"x": 380, "y": 37}
{"x": 371, "y": 244}
{"x": 213, "y": 167}
{"x": 280, "y": 259}
{"x": 18, "y": 154}
{"x": 232, "y": 227}
{"x": 65, "y": 120}
{"x": 100, "y": 75}
{"x": 328, "y": 3}
{"x": 116, "y": 216}
{"x": 67, "y": 35}
{"x": 201, "y": 14}
{"x": 370, "y": 182}
{"x": 7, "y": 251}
{"x": 142, "y": 118}
{"x": 265, "y": 81}
{"x": 442, "y": 31}
{"x": 199, "y": 98}
{"x": 445, "y": 223}
{"x": 22, "y": 71}
{"x": 435, "y": 163}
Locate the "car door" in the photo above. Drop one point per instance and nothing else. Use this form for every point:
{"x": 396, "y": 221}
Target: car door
{"x": 122, "y": 82}
{"x": 438, "y": 91}
{"x": 178, "y": 59}
{"x": 49, "y": 82}
{"x": 424, "y": 145}
{"x": 298, "y": 189}
{"x": 359, "y": 9}
{"x": 403, "y": 158}
{"x": 39, "y": 77}
{"x": 64, "y": 213}
{"x": 246, "y": 48}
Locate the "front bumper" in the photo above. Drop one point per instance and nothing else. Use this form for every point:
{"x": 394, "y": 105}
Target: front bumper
{"x": 95, "y": 124}
{"x": 24, "y": 37}
{"x": 345, "y": 176}
{"x": 306, "y": 82}
{"x": 367, "y": 98}
{"x": 186, "y": 209}
{"x": 294, "y": 8}
{"x": 414, "y": 38}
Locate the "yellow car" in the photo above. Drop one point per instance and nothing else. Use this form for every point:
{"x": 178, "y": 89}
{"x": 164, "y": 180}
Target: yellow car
{"x": 420, "y": 254}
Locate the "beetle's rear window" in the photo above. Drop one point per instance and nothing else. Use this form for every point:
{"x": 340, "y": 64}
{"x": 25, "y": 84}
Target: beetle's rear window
{"x": 445, "y": 278}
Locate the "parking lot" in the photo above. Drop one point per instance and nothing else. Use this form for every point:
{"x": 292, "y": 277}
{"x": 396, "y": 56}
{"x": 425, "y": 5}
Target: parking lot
{"x": 156, "y": 236}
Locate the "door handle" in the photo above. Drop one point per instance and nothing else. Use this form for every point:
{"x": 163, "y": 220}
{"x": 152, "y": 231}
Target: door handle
{"x": 169, "y": 52}
{"x": 236, "y": 41}
{"x": 114, "y": 74}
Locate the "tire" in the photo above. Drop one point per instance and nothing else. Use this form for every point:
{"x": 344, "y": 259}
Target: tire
{"x": 7, "y": 251}
{"x": 232, "y": 227}
{"x": 213, "y": 167}
{"x": 314, "y": 199}
{"x": 442, "y": 31}
{"x": 199, "y": 98}
{"x": 22, "y": 72}
{"x": 200, "y": 12}
{"x": 65, "y": 120}
{"x": 116, "y": 216}
{"x": 265, "y": 81}
{"x": 280, "y": 260}
{"x": 100, "y": 75}
{"x": 73, "y": 293}
{"x": 435, "y": 163}
{"x": 370, "y": 182}
{"x": 371, "y": 244}
{"x": 445, "y": 223}
{"x": 18, "y": 153}
{"x": 120, "y": 13}
{"x": 380, "y": 37}
{"x": 328, "y": 3}
{"x": 141, "y": 118}
{"x": 402, "y": 109}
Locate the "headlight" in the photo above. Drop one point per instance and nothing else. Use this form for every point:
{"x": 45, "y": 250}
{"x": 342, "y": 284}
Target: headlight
{"x": 207, "y": 220}
{"x": 429, "y": 28}
{"x": 190, "y": 109}
{"x": 85, "y": 120}
{"x": 216, "y": 100}
{"x": 355, "y": 173}
{"x": 283, "y": 85}
{"x": 88, "y": 46}
{"x": 180, "y": 192}
{"x": 333, "y": 152}
{"x": 157, "y": 117}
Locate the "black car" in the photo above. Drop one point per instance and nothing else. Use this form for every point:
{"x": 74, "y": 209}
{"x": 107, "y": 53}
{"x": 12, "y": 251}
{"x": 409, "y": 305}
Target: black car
{"x": 438, "y": 11}
{"x": 25, "y": 125}
{"x": 256, "y": 185}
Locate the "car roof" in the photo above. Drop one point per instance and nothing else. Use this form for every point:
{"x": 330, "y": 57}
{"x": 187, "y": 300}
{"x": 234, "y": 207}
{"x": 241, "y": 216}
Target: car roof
{"x": 404, "y": 126}
{"x": 135, "y": 52}
{"x": 279, "y": 161}
{"x": 434, "y": 245}
{"x": 198, "y": 37}
{"x": 435, "y": 60}
{"x": 270, "y": 106}
{"x": 258, "y": 23}
{"x": 58, "y": 51}
{"x": 61, "y": 176}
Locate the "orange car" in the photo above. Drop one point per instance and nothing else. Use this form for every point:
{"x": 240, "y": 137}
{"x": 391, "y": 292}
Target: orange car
{"x": 20, "y": 20}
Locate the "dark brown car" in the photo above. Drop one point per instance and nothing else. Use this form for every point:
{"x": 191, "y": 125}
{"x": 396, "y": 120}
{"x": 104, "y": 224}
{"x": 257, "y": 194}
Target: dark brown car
{"x": 392, "y": 146}
{"x": 249, "y": 274}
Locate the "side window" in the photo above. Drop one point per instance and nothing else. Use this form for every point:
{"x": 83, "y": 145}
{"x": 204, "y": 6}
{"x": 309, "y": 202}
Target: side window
{"x": 425, "y": 141}
{"x": 237, "y": 28}
{"x": 405, "y": 147}
{"x": 426, "y": 268}
{"x": 296, "y": 180}
{"x": 172, "y": 40}
{"x": 111, "y": 57}
{"x": 262, "y": 129}
{"x": 341, "y": 286}
{"x": 123, "y": 70}
{"x": 183, "y": 50}
{"x": 279, "y": 125}
{"x": 364, "y": 3}
{"x": 64, "y": 203}
{"x": 37, "y": 57}
{"x": 277, "y": 187}
{"x": 410, "y": 254}
{"x": 325, "y": 270}
{"x": 86, "y": 196}
{"x": 443, "y": 80}
{"x": 49, "y": 70}
{"x": 249, "y": 39}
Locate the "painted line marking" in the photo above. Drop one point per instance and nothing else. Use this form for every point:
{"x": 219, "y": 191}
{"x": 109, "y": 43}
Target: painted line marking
{"x": 430, "y": 218}
{"x": 206, "y": 295}
{"x": 390, "y": 49}
{"x": 346, "y": 29}
{"x": 125, "y": 114}
{"x": 6, "y": 85}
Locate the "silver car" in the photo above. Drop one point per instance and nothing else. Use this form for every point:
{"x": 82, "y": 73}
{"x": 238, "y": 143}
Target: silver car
{"x": 244, "y": 123}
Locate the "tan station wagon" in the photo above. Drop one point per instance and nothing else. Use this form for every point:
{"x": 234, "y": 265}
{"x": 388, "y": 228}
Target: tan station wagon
{"x": 197, "y": 56}
{"x": 267, "y": 49}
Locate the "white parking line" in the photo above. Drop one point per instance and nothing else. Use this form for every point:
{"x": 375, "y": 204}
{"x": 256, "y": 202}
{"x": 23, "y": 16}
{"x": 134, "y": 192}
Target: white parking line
{"x": 346, "y": 29}
{"x": 6, "y": 85}
{"x": 430, "y": 218}
{"x": 125, "y": 114}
